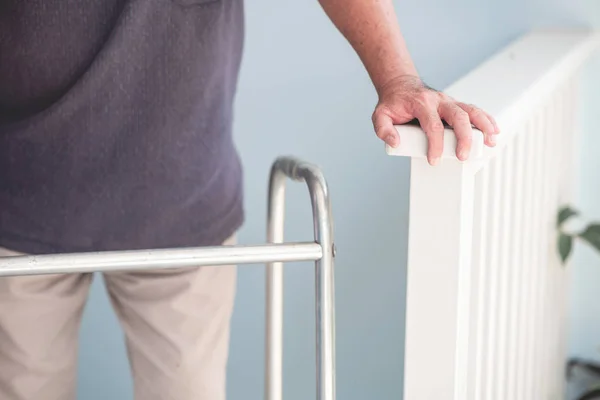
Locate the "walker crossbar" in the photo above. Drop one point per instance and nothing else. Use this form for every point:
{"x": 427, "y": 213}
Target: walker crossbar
{"x": 158, "y": 259}
{"x": 274, "y": 253}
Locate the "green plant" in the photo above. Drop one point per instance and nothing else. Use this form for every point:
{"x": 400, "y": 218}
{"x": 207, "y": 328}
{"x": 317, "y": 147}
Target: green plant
{"x": 590, "y": 393}
{"x": 590, "y": 234}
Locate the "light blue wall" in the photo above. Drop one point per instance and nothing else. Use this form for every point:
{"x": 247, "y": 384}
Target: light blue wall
{"x": 304, "y": 92}
{"x": 585, "y": 293}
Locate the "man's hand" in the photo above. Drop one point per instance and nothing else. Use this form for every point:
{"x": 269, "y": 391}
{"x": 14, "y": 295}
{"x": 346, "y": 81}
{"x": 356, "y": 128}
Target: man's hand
{"x": 407, "y": 97}
{"x": 371, "y": 27}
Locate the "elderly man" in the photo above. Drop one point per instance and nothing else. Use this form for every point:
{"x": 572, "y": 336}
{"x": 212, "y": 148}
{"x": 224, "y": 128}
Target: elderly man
{"x": 115, "y": 133}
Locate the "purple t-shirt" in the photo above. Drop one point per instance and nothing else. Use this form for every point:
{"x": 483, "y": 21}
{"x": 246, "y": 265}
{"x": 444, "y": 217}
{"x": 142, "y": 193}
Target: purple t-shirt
{"x": 115, "y": 124}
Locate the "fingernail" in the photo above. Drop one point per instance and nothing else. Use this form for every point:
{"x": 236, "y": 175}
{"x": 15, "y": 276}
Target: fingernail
{"x": 492, "y": 140}
{"x": 391, "y": 140}
{"x": 435, "y": 161}
{"x": 463, "y": 155}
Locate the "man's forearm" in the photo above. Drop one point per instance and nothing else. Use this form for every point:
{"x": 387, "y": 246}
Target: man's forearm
{"x": 371, "y": 27}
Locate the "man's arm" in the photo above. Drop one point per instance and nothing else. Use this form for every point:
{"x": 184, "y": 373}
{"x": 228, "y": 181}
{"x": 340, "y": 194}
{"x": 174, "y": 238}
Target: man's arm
{"x": 371, "y": 27}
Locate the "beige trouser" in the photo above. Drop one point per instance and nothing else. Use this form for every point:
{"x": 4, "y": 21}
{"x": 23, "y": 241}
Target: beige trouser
{"x": 176, "y": 324}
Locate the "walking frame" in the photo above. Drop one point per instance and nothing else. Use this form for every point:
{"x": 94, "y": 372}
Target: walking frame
{"x": 274, "y": 254}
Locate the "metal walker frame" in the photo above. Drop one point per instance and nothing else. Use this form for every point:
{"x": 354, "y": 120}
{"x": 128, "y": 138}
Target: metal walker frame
{"x": 274, "y": 254}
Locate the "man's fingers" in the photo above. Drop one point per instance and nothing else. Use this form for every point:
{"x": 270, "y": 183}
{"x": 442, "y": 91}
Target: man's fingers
{"x": 482, "y": 121}
{"x": 490, "y": 140}
{"x": 384, "y": 128}
{"x": 479, "y": 118}
{"x": 430, "y": 111}
{"x": 461, "y": 123}
{"x": 432, "y": 124}
{"x": 493, "y": 121}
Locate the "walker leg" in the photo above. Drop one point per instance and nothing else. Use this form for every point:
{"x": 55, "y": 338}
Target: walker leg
{"x": 274, "y": 295}
{"x": 325, "y": 291}
{"x": 283, "y": 168}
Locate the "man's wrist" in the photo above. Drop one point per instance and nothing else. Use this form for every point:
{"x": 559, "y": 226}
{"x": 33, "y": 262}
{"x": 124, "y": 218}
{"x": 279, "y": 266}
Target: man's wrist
{"x": 406, "y": 80}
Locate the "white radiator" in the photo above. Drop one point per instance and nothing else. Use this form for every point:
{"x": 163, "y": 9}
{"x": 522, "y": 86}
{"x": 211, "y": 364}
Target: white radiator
{"x": 486, "y": 290}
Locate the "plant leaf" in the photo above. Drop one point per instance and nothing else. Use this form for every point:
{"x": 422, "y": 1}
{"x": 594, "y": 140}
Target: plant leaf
{"x": 591, "y": 234}
{"x": 565, "y": 244}
{"x": 564, "y": 214}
